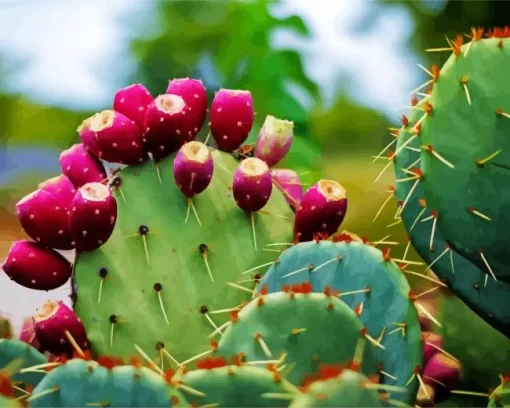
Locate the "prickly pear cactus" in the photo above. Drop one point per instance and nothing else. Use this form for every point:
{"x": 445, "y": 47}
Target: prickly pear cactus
{"x": 80, "y": 383}
{"x": 21, "y": 361}
{"x": 438, "y": 156}
{"x": 368, "y": 281}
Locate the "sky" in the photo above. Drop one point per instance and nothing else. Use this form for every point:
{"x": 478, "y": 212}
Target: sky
{"x": 73, "y": 49}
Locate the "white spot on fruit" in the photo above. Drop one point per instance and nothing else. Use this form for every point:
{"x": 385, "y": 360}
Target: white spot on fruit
{"x": 86, "y": 169}
{"x": 161, "y": 119}
{"x": 96, "y": 212}
{"x": 121, "y": 100}
{"x": 225, "y": 137}
{"x": 239, "y": 124}
{"x": 218, "y": 110}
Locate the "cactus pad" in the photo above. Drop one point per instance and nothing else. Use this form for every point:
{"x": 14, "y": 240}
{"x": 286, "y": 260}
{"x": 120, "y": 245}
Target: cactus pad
{"x": 238, "y": 386}
{"x": 80, "y": 383}
{"x": 501, "y": 396}
{"x": 485, "y": 296}
{"x": 11, "y": 350}
{"x": 152, "y": 274}
{"x": 303, "y": 330}
{"x": 360, "y": 275}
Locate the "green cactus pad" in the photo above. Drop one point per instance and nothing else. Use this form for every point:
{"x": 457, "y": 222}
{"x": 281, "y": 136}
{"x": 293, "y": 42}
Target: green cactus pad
{"x": 387, "y": 303}
{"x": 349, "y": 389}
{"x": 238, "y": 386}
{"x": 485, "y": 296}
{"x": 464, "y": 130}
{"x": 11, "y": 350}
{"x": 80, "y": 383}
{"x": 176, "y": 262}
{"x": 307, "y": 329}
{"x": 9, "y": 403}
{"x": 501, "y": 396}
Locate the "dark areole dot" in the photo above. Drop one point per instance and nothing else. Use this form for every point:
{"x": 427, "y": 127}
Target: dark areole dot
{"x": 476, "y": 286}
{"x": 113, "y": 319}
{"x": 116, "y": 182}
{"x": 203, "y": 248}
{"x": 203, "y": 309}
{"x": 258, "y": 277}
{"x": 103, "y": 272}
{"x": 157, "y": 287}
{"x": 143, "y": 229}
{"x": 160, "y": 345}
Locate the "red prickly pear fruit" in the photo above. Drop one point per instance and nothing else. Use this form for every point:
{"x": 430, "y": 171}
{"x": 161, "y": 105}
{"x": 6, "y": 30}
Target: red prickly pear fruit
{"x": 133, "y": 101}
{"x": 35, "y": 267}
{"x": 61, "y": 188}
{"x": 93, "y": 216}
{"x": 44, "y": 220}
{"x": 429, "y": 341}
{"x": 442, "y": 368}
{"x": 252, "y": 185}
{"x": 28, "y": 335}
{"x": 115, "y": 139}
{"x": 55, "y": 324}
{"x": 322, "y": 210}
{"x": 167, "y": 122}
{"x": 193, "y": 168}
{"x": 195, "y": 96}
{"x": 231, "y": 118}
{"x": 290, "y": 185}
{"x": 80, "y": 166}
{"x": 274, "y": 140}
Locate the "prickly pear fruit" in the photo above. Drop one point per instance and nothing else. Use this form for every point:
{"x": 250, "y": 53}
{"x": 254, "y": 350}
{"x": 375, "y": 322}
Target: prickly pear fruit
{"x": 32, "y": 265}
{"x": 321, "y": 210}
{"x": 167, "y": 124}
{"x": 231, "y": 118}
{"x": 441, "y": 374}
{"x": 133, "y": 101}
{"x": 80, "y": 166}
{"x": 431, "y": 342}
{"x": 56, "y": 327}
{"x": 27, "y": 333}
{"x": 195, "y": 95}
{"x": 93, "y": 216}
{"x": 252, "y": 185}
{"x": 45, "y": 220}
{"x": 115, "y": 138}
{"x": 193, "y": 168}
{"x": 274, "y": 140}
{"x": 288, "y": 182}
{"x": 61, "y": 189}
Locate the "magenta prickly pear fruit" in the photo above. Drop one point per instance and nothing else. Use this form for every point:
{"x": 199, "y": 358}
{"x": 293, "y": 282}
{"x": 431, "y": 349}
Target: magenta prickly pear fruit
{"x": 116, "y": 138}
{"x": 133, "y": 102}
{"x": 93, "y": 216}
{"x": 44, "y": 220}
{"x": 274, "y": 140}
{"x": 80, "y": 166}
{"x": 27, "y": 334}
{"x": 195, "y": 95}
{"x": 167, "y": 125}
{"x": 442, "y": 368}
{"x": 429, "y": 341}
{"x": 322, "y": 210}
{"x": 35, "y": 267}
{"x": 55, "y": 325}
{"x": 193, "y": 168}
{"x": 231, "y": 118}
{"x": 252, "y": 185}
{"x": 61, "y": 188}
{"x": 288, "y": 182}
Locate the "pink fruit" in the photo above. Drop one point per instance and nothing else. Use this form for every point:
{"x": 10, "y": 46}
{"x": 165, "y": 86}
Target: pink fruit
{"x": 195, "y": 96}
{"x": 80, "y": 166}
{"x": 116, "y": 138}
{"x": 45, "y": 220}
{"x": 55, "y": 324}
{"x": 193, "y": 168}
{"x": 252, "y": 185}
{"x": 35, "y": 267}
{"x": 429, "y": 341}
{"x": 289, "y": 184}
{"x": 93, "y": 216}
{"x": 231, "y": 118}
{"x": 166, "y": 125}
{"x": 133, "y": 101}
{"x": 61, "y": 189}
{"x": 274, "y": 140}
{"x": 28, "y": 335}
{"x": 322, "y": 210}
{"x": 442, "y": 368}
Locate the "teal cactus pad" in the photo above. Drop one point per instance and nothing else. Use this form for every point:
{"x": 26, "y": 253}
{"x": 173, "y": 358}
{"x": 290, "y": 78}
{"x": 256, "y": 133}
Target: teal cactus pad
{"x": 349, "y": 389}
{"x": 463, "y": 130}
{"x": 501, "y": 396}
{"x": 238, "y": 386}
{"x": 176, "y": 262}
{"x": 80, "y": 383}
{"x": 387, "y": 303}
{"x": 12, "y": 349}
{"x": 309, "y": 329}
{"x": 485, "y": 296}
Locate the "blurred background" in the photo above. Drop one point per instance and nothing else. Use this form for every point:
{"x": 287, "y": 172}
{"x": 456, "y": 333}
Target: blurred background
{"x": 342, "y": 70}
